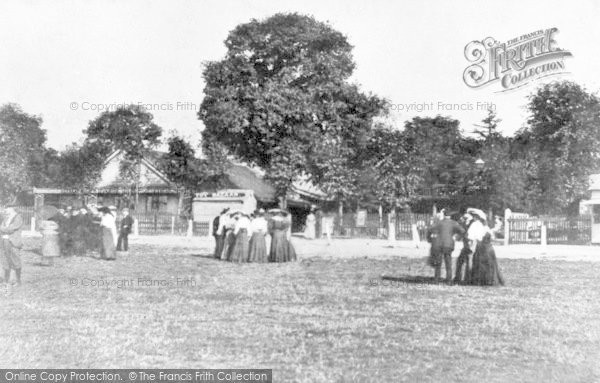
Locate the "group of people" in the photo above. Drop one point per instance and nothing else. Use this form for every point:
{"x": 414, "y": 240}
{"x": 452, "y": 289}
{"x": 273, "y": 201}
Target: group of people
{"x": 477, "y": 257}
{"x": 93, "y": 229}
{"x": 241, "y": 237}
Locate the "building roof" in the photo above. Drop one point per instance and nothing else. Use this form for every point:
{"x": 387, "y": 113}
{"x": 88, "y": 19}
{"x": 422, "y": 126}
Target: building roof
{"x": 243, "y": 177}
{"x": 151, "y": 178}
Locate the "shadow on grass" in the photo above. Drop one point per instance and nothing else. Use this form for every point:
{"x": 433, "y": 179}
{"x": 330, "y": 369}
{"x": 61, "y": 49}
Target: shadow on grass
{"x": 421, "y": 280}
{"x": 416, "y": 279}
{"x": 206, "y": 255}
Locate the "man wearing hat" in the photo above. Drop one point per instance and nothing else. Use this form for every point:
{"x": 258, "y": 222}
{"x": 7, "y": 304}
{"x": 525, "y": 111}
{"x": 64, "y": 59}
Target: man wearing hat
{"x": 124, "y": 230}
{"x": 441, "y": 236}
{"x": 10, "y": 243}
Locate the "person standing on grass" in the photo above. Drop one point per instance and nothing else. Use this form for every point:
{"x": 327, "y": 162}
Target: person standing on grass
{"x": 124, "y": 231}
{"x": 318, "y": 223}
{"x": 463, "y": 258}
{"x": 109, "y": 234}
{"x": 282, "y": 249}
{"x": 441, "y": 237}
{"x": 218, "y": 233}
{"x": 239, "y": 252}
{"x": 309, "y": 230}
{"x": 227, "y": 223}
{"x": 258, "y": 243}
{"x": 10, "y": 243}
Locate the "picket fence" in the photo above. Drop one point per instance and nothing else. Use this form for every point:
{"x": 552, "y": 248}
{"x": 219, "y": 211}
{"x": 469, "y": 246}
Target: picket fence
{"x": 559, "y": 230}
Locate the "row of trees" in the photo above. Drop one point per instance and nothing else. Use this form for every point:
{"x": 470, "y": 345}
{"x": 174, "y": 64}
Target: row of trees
{"x": 281, "y": 99}
{"x": 27, "y": 162}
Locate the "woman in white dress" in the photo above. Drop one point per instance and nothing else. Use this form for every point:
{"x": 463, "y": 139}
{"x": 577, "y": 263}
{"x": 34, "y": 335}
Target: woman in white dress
{"x": 258, "y": 244}
{"x": 109, "y": 234}
{"x": 309, "y": 230}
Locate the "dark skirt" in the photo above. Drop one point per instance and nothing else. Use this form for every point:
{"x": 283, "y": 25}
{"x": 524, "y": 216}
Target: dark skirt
{"x": 239, "y": 252}
{"x": 282, "y": 250}
{"x": 228, "y": 242}
{"x": 219, "y": 242}
{"x": 258, "y": 248}
{"x": 108, "y": 244}
{"x": 485, "y": 271}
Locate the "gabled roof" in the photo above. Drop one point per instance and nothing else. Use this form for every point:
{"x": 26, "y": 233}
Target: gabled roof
{"x": 153, "y": 177}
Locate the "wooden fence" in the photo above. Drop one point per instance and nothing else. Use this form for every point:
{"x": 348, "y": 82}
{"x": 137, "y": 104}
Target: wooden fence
{"x": 375, "y": 226}
{"x": 559, "y": 230}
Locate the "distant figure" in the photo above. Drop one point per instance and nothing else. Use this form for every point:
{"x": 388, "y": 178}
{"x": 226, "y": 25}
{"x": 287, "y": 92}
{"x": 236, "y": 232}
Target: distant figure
{"x": 497, "y": 229}
{"x": 282, "y": 249}
{"x": 441, "y": 237}
{"x": 218, "y": 234}
{"x": 258, "y": 243}
{"x": 10, "y": 243}
{"x": 239, "y": 251}
{"x": 463, "y": 258}
{"x": 318, "y": 223}
{"x": 79, "y": 232}
{"x": 109, "y": 234}
{"x": 309, "y": 230}
{"x": 124, "y": 231}
{"x": 327, "y": 227}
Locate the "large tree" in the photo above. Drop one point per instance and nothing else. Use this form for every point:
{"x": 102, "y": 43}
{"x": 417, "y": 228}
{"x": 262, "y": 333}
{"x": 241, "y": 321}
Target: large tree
{"x": 130, "y": 129}
{"x": 22, "y": 151}
{"x": 282, "y": 87}
{"x": 563, "y": 132}
{"x": 390, "y": 174}
{"x": 188, "y": 172}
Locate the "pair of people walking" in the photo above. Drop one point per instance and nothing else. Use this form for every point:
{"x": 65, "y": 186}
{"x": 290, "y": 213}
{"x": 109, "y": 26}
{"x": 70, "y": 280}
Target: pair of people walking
{"x": 477, "y": 256}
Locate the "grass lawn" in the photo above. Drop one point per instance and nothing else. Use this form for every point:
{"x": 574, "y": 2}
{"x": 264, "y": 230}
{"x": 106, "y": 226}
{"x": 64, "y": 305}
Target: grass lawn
{"x": 322, "y": 319}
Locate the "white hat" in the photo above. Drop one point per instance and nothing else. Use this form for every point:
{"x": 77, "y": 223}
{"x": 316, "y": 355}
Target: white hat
{"x": 477, "y": 212}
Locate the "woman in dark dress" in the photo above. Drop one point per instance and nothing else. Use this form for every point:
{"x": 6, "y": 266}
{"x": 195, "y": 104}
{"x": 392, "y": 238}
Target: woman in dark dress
{"x": 228, "y": 237}
{"x": 258, "y": 244}
{"x": 239, "y": 252}
{"x": 485, "y": 270}
{"x": 282, "y": 249}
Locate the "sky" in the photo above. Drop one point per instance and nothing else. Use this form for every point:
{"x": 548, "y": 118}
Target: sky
{"x": 67, "y": 60}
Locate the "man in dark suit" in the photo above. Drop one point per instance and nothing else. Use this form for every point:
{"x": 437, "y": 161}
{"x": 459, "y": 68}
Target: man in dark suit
{"x": 219, "y": 233}
{"x": 10, "y": 243}
{"x": 441, "y": 237}
{"x": 124, "y": 231}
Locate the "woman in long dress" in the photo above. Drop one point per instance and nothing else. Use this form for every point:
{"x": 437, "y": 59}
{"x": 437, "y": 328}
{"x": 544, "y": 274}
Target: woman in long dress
{"x": 239, "y": 252}
{"x": 282, "y": 249}
{"x": 109, "y": 235}
{"x": 484, "y": 270}
{"x": 309, "y": 230}
{"x": 258, "y": 243}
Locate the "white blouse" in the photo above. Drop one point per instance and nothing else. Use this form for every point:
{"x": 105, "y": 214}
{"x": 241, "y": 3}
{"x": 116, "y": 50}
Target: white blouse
{"x": 241, "y": 223}
{"x": 259, "y": 225}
